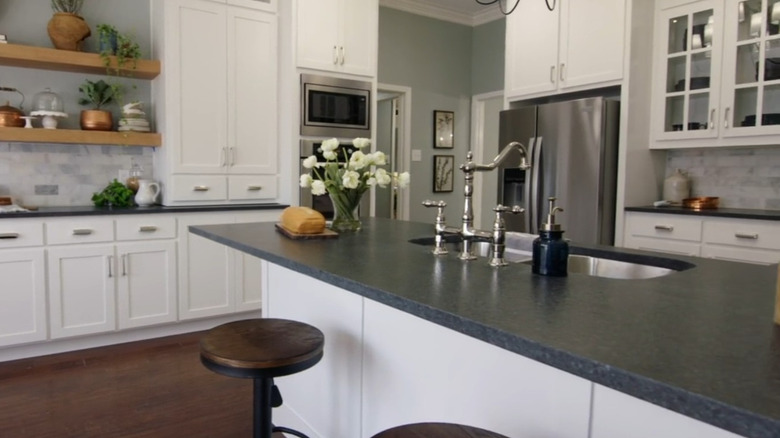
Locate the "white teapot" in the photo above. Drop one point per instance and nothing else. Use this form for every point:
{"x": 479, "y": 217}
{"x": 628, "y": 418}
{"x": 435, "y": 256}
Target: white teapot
{"x": 147, "y": 192}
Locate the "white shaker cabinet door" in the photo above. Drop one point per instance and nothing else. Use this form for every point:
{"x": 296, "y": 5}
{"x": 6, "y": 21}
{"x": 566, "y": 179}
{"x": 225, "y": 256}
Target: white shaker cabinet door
{"x": 317, "y": 30}
{"x": 82, "y": 290}
{"x": 23, "y": 297}
{"x": 146, "y": 283}
{"x": 360, "y": 28}
{"x": 531, "y": 49}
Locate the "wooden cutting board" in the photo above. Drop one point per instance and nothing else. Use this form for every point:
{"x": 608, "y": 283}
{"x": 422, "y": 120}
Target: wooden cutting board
{"x": 326, "y": 234}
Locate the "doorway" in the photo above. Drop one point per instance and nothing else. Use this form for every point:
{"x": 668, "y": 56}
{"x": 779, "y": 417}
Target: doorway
{"x": 393, "y": 136}
{"x": 485, "y": 109}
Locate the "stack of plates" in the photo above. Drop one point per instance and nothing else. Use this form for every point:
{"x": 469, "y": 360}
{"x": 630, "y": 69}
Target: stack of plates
{"x": 133, "y": 118}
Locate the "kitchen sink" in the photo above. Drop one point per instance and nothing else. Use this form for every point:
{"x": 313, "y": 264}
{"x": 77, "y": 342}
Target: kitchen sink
{"x": 581, "y": 260}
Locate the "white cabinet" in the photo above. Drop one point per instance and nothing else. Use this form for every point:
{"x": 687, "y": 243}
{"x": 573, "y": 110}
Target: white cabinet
{"x": 740, "y": 240}
{"x": 219, "y": 107}
{"x": 719, "y": 83}
{"x": 617, "y": 415}
{"x": 338, "y": 35}
{"x": 146, "y": 283}
{"x": 214, "y": 279}
{"x": 564, "y": 50}
{"x": 23, "y": 312}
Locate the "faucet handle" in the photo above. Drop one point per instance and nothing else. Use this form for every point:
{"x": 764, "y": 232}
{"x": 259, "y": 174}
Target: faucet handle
{"x": 515, "y": 209}
{"x": 429, "y": 203}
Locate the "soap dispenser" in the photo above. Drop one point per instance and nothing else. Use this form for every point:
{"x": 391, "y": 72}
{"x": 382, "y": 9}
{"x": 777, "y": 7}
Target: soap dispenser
{"x": 550, "y": 251}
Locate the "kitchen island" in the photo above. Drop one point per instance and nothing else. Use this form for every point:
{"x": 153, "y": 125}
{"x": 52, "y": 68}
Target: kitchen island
{"x": 699, "y": 342}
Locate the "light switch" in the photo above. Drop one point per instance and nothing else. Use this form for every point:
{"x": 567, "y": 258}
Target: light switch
{"x": 416, "y": 155}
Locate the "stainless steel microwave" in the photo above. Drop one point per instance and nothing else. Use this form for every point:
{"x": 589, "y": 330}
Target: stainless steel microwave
{"x": 335, "y": 107}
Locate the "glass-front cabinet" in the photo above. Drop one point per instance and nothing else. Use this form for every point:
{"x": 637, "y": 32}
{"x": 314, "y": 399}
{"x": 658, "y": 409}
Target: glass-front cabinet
{"x": 716, "y": 73}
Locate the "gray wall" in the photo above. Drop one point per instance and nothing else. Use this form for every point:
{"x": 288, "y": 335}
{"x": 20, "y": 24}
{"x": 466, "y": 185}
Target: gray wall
{"x": 435, "y": 58}
{"x": 487, "y": 61}
{"x": 88, "y": 167}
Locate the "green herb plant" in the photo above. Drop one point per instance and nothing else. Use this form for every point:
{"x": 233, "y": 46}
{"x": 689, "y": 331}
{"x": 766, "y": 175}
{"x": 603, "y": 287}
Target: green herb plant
{"x": 115, "y": 194}
{"x": 97, "y": 93}
{"x": 122, "y": 62}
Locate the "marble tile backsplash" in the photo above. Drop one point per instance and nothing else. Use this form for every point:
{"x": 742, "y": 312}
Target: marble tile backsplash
{"x": 742, "y": 178}
{"x": 52, "y": 175}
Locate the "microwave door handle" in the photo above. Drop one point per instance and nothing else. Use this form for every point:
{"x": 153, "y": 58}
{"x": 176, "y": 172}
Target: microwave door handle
{"x": 536, "y": 166}
{"x": 527, "y": 189}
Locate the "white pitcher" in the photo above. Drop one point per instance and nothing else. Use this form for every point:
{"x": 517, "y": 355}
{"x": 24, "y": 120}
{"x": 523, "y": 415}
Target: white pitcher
{"x": 147, "y": 192}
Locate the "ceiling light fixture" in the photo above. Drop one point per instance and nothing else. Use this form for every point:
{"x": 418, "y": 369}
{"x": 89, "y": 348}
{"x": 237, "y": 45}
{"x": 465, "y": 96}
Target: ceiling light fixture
{"x": 502, "y": 4}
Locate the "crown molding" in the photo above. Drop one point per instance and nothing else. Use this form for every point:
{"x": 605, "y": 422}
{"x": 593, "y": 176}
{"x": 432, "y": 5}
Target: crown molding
{"x": 421, "y": 7}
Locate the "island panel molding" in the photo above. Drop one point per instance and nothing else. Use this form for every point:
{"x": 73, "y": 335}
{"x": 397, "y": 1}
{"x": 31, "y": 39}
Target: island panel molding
{"x": 16, "y": 55}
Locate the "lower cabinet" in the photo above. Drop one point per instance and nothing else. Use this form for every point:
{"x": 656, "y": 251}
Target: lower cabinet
{"x": 732, "y": 239}
{"x": 23, "y": 309}
{"x": 214, "y": 279}
{"x": 617, "y": 415}
{"x": 146, "y": 283}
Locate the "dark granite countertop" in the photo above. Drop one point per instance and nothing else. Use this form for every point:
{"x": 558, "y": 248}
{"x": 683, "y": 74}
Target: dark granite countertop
{"x": 741, "y": 213}
{"x": 700, "y": 342}
{"x": 89, "y": 210}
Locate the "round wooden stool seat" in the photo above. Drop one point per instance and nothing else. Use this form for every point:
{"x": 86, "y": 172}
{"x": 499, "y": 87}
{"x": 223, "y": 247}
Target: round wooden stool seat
{"x": 436, "y": 430}
{"x": 257, "y": 348}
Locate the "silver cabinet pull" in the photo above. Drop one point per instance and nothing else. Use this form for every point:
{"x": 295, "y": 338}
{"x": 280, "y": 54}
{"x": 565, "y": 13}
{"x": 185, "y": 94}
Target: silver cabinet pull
{"x": 664, "y": 227}
{"x": 124, "y": 265}
{"x": 563, "y": 65}
{"x": 147, "y": 228}
{"x": 110, "y": 266}
{"x": 726, "y": 117}
{"x": 335, "y": 55}
{"x": 82, "y": 232}
{"x": 200, "y": 188}
{"x": 254, "y": 188}
{"x": 712, "y": 119}
{"x": 552, "y": 74}
{"x": 223, "y": 157}
{"x": 753, "y": 236}
{"x": 9, "y": 235}
{"x": 232, "y": 156}
{"x": 343, "y": 55}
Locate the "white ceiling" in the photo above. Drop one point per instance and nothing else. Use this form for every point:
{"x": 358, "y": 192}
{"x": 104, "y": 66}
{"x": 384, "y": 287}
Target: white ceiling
{"x": 467, "y": 12}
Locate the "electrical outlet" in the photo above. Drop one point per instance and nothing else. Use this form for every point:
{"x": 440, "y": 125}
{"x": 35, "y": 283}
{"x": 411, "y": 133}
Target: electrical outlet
{"x": 416, "y": 155}
{"x": 122, "y": 175}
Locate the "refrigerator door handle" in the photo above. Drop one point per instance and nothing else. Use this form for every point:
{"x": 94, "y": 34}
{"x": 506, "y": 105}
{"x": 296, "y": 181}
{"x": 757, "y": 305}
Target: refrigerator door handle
{"x": 529, "y": 213}
{"x": 536, "y": 165}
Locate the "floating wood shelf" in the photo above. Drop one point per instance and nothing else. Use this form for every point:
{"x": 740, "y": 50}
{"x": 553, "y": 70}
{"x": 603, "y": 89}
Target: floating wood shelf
{"x": 76, "y": 136}
{"x": 16, "y": 55}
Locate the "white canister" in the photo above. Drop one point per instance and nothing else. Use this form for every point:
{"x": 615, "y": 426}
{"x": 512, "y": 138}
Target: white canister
{"x": 147, "y": 192}
{"x": 677, "y": 187}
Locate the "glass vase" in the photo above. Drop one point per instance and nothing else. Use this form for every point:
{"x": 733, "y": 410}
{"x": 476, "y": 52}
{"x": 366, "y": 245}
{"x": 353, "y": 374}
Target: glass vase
{"x": 345, "y": 212}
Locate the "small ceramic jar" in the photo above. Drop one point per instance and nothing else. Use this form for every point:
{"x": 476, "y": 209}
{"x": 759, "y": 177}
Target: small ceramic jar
{"x": 677, "y": 187}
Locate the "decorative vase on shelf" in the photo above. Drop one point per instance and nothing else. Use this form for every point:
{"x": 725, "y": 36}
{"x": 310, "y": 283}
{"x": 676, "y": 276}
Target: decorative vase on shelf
{"x": 68, "y": 31}
{"x": 345, "y": 211}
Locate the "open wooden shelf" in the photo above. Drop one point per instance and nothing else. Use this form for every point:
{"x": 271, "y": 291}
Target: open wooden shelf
{"x": 77, "y": 136}
{"x": 16, "y": 55}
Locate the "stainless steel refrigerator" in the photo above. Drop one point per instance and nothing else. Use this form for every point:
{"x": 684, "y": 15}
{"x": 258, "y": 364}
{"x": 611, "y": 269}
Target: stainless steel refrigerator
{"x": 573, "y": 150}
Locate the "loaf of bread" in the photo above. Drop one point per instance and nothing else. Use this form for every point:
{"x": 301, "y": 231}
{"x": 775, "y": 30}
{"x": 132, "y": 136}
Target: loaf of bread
{"x": 302, "y": 220}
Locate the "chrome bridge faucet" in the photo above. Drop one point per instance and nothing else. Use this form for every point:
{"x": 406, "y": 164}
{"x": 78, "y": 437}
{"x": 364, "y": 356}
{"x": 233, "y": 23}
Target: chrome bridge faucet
{"x": 466, "y": 230}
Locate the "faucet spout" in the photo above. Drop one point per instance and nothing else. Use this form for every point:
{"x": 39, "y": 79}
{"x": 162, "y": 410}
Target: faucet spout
{"x": 502, "y": 156}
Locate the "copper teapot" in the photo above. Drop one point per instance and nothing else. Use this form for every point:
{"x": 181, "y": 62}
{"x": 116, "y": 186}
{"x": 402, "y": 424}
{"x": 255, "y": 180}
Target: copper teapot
{"x": 11, "y": 116}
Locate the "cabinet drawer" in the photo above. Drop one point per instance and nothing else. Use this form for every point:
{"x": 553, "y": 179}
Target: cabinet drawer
{"x": 247, "y": 188}
{"x": 199, "y": 188}
{"x": 664, "y": 226}
{"x": 20, "y": 233}
{"x": 79, "y": 230}
{"x": 744, "y": 233}
{"x": 738, "y": 254}
{"x": 145, "y": 227}
{"x": 667, "y": 246}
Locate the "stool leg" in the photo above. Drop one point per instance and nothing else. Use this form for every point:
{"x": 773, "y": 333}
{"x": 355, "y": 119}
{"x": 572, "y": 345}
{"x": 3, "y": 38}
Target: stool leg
{"x": 262, "y": 427}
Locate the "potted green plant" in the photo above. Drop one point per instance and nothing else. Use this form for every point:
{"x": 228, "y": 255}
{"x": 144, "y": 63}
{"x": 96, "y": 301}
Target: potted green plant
{"x": 67, "y": 30}
{"x": 107, "y": 40}
{"x": 98, "y": 94}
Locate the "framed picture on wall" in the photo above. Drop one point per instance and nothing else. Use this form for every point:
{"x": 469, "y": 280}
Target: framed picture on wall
{"x": 443, "y": 129}
{"x": 443, "y": 169}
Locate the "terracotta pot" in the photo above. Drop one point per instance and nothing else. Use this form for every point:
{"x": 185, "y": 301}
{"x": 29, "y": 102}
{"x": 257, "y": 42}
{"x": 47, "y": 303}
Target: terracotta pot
{"x": 96, "y": 120}
{"x": 68, "y": 31}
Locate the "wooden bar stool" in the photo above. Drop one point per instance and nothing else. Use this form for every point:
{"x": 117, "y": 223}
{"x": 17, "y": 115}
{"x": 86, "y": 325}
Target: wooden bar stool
{"x": 436, "y": 430}
{"x": 262, "y": 349}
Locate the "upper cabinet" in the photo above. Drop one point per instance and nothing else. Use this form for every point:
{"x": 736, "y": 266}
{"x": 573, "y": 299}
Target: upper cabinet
{"x": 338, "y": 35}
{"x": 219, "y": 106}
{"x": 719, "y": 83}
{"x": 577, "y": 46}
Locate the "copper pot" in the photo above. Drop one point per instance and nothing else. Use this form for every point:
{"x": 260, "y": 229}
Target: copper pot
{"x": 96, "y": 120}
{"x": 11, "y": 116}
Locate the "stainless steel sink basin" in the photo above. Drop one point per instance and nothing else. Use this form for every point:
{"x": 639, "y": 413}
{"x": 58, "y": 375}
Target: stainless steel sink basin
{"x": 599, "y": 267}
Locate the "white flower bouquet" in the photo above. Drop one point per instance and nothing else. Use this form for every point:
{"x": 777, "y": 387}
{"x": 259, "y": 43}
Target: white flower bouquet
{"x": 346, "y": 181}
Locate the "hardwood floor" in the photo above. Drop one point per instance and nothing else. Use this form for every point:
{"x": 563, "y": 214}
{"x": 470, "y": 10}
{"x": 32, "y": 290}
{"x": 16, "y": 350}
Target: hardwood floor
{"x": 155, "y": 388}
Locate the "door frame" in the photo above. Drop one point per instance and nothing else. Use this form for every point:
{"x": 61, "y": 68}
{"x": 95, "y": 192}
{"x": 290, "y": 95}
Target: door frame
{"x": 404, "y": 138}
{"x": 477, "y": 143}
